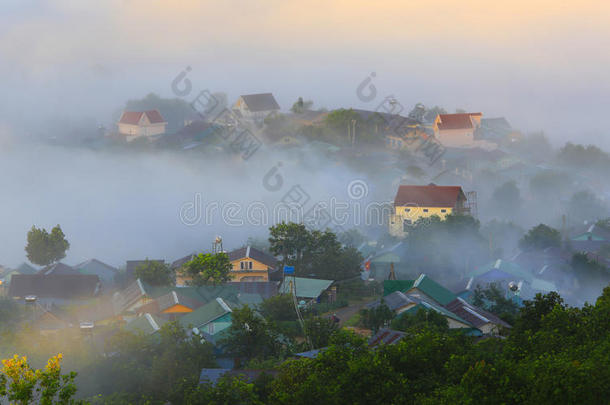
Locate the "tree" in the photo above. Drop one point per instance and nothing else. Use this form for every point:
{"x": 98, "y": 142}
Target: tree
{"x": 25, "y": 385}
{"x": 507, "y": 198}
{"x": 421, "y": 320}
{"x": 289, "y": 240}
{"x": 301, "y": 106}
{"x": 540, "y": 237}
{"x": 250, "y": 336}
{"x": 584, "y": 205}
{"x": 376, "y": 317}
{"x": 209, "y": 268}
{"x": 320, "y": 330}
{"x": 174, "y": 110}
{"x": 493, "y": 299}
{"x": 278, "y": 308}
{"x": 44, "y": 248}
{"x": 154, "y": 273}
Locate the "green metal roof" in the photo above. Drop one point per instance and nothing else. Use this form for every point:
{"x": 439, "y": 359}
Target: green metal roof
{"x": 585, "y": 237}
{"x": 390, "y": 286}
{"x": 306, "y": 287}
{"x": 426, "y": 305}
{"x": 146, "y": 324}
{"x": 205, "y": 314}
{"x": 433, "y": 290}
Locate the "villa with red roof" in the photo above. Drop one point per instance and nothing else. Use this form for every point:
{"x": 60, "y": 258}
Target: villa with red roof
{"x": 457, "y": 130}
{"x": 414, "y": 202}
{"x": 134, "y": 124}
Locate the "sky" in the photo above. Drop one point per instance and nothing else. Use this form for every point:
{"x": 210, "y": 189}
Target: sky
{"x": 542, "y": 64}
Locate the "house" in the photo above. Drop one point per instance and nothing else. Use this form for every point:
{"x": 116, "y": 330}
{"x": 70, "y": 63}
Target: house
{"x": 55, "y": 288}
{"x": 251, "y": 264}
{"x": 211, "y": 318}
{"x": 131, "y": 298}
{"x": 414, "y": 202}
{"x": 497, "y": 130}
{"x": 171, "y": 304}
{"x": 104, "y": 271}
{"x": 454, "y": 321}
{"x": 397, "y": 301}
{"x": 134, "y": 124}
{"x": 425, "y": 288}
{"x": 486, "y": 322}
{"x": 590, "y": 238}
{"x": 307, "y": 289}
{"x": 147, "y": 324}
{"x": 51, "y": 319}
{"x": 256, "y": 106}
{"x": 57, "y": 268}
{"x": 181, "y": 278}
{"x": 457, "y": 130}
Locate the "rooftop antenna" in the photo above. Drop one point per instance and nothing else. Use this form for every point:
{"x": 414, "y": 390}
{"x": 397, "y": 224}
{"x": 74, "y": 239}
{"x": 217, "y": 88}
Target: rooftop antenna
{"x": 217, "y": 245}
{"x": 392, "y": 275}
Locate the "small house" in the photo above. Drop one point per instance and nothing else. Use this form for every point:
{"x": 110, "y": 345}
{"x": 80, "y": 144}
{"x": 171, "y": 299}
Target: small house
{"x": 256, "y": 106}
{"x": 251, "y": 264}
{"x": 134, "y": 124}
{"x": 457, "y": 130}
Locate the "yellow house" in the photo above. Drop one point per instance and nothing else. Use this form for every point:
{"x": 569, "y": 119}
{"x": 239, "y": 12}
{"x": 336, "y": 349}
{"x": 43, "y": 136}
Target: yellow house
{"x": 414, "y": 202}
{"x": 250, "y": 264}
{"x": 134, "y": 124}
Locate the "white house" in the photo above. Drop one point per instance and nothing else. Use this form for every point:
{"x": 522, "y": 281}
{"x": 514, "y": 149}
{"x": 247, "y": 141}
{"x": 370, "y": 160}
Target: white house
{"x": 256, "y": 106}
{"x": 134, "y": 124}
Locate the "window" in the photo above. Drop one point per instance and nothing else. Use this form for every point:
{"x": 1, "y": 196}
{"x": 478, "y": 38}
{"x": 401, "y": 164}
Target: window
{"x": 443, "y": 210}
{"x": 407, "y": 209}
{"x": 245, "y": 265}
{"x": 425, "y": 209}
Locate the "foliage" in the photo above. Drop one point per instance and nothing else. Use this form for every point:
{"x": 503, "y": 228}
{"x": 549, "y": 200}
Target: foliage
{"x": 495, "y": 301}
{"x": 540, "y": 237}
{"x": 351, "y": 238}
{"x": 580, "y": 156}
{"x": 376, "y": 317}
{"x": 300, "y": 106}
{"x": 250, "y": 336}
{"x": 209, "y": 268}
{"x": 590, "y": 272}
{"x": 174, "y": 110}
{"x": 584, "y": 205}
{"x": 24, "y": 385}
{"x": 278, "y": 308}
{"x": 507, "y": 198}
{"x": 154, "y": 273}
{"x": 44, "y": 248}
{"x": 502, "y": 236}
{"x": 314, "y": 253}
{"x": 320, "y": 330}
{"x": 421, "y": 320}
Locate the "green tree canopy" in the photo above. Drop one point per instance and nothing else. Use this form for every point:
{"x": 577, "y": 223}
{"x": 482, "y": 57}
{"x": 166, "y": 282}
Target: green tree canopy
{"x": 44, "y": 248}
{"x": 540, "y": 237}
{"x": 209, "y": 268}
{"x": 154, "y": 273}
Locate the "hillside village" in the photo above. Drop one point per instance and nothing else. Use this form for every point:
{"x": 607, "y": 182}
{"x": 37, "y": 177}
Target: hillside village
{"x": 449, "y": 256}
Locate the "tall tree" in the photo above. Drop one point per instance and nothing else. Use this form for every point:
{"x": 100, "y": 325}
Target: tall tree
{"x": 154, "y": 273}
{"x": 44, "y": 248}
{"x": 540, "y": 237}
{"x": 209, "y": 268}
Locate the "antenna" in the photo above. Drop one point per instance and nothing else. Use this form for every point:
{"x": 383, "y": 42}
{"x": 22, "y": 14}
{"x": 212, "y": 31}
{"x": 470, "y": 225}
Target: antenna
{"x": 392, "y": 275}
{"x": 217, "y": 245}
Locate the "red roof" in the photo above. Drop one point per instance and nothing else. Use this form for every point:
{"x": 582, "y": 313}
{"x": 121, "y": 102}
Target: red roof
{"x": 428, "y": 196}
{"x": 133, "y": 117}
{"x": 456, "y": 121}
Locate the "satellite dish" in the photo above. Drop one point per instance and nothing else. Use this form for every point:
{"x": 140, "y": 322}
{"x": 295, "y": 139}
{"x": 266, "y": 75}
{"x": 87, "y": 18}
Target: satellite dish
{"x": 195, "y": 331}
{"x": 30, "y": 299}
{"x": 514, "y": 287}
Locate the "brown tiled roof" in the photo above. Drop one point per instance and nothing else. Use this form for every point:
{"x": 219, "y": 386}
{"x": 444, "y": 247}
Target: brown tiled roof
{"x": 456, "y": 121}
{"x": 428, "y": 196}
{"x": 65, "y": 286}
{"x": 133, "y": 117}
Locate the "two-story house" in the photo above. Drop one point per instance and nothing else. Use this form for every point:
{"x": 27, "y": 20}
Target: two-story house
{"x": 251, "y": 264}
{"x": 414, "y": 202}
{"x": 134, "y": 124}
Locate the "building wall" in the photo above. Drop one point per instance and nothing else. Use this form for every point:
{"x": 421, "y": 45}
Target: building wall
{"x": 456, "y": 138}
{"x": 258, "y": 270}
{"x": 142, "y": 130}
{"x": 400, "y": 215}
